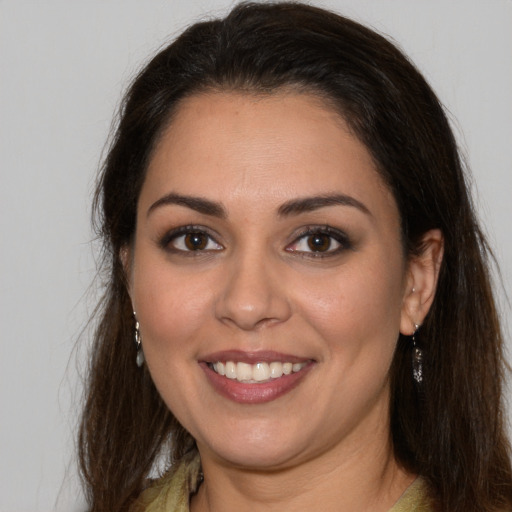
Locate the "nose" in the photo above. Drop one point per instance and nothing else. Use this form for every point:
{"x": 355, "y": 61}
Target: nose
{"x": 253, "y": 294}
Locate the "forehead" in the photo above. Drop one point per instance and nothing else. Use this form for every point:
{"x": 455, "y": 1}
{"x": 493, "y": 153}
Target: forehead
{"x": 262, "y": 149}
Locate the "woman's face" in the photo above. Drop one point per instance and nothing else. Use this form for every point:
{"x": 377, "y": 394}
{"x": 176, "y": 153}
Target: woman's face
{"x": 268, "y": 278}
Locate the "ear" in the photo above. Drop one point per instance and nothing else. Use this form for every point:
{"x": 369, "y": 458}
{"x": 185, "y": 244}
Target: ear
{"x": 422, "y": 276}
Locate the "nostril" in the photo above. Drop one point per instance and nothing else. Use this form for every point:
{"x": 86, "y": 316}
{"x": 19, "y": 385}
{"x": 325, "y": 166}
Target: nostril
{"x": 252, "y": 299}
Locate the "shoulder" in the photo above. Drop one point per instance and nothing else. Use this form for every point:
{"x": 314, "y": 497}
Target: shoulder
{"x": 172, "y": 491}
{"x": 414, "y": 499}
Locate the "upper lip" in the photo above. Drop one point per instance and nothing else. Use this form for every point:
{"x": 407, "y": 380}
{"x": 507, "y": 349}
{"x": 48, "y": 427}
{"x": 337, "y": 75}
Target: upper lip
{"x": 260, "y": 356}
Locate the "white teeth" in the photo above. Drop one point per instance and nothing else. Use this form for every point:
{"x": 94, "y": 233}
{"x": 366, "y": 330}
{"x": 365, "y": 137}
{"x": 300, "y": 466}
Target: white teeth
{"x": 287, "y": 368}
{"x": 243, "y": 371}
{"x": 259, "y": 372}
{"x": 276, "y": 370}
{"x": 230, "y": 370}
{"x": 220, "y": 369}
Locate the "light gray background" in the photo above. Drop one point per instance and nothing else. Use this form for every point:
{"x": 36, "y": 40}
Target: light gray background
{"x": 63, "y": 66}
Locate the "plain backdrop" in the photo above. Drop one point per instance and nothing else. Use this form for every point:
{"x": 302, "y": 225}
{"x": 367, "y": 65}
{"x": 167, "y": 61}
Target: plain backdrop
{"x": 64, "y": 65}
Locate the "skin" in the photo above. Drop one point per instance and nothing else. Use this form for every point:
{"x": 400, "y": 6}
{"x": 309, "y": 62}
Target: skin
{"x": 257, "y": 285}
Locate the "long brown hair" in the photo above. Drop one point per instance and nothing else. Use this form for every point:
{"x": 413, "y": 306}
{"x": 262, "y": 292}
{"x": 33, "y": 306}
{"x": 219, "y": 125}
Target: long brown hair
{"x": 451, "y": 429}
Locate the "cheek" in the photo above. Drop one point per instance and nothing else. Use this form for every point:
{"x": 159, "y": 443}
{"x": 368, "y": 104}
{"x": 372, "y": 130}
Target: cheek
{"x": 357, "y": 309}
{"x": 171, "y": 306}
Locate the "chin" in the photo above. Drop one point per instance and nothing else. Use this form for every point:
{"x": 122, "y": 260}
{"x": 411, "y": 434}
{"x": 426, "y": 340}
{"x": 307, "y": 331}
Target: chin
{"x": 257, "y": 459}
{"x": 261, "y": 450}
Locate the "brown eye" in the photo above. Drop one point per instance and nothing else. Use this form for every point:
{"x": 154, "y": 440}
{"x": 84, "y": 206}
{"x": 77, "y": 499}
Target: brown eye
{"x": 319, "y": 242}
{"x": 196, "y": 241}
{"x": 188, "y": 240}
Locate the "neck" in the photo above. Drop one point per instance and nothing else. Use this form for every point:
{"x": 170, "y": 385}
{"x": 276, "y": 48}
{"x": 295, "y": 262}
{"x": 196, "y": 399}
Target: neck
{"x": 351, "y": 477}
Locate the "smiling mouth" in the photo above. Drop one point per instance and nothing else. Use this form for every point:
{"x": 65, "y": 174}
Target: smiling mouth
{"x": 255, "y": 373}
{"x": 254, "y": 377}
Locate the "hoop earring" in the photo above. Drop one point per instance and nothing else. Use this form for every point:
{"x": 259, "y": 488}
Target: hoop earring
{"x": 417, "y": 358}
{"x": 139, "y": 359}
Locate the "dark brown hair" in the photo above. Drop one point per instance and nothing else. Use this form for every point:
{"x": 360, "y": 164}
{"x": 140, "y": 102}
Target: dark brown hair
{"x": 451, "y": 430}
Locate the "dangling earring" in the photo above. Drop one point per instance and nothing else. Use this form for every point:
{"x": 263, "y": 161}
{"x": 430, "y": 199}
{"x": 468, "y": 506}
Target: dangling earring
{"x": 138, "y": 343}
{"x": 417, "y": 358}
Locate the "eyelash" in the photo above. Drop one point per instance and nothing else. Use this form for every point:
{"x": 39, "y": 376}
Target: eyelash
{"x": 339, "y": 237}
{"x": 175, "y": 234}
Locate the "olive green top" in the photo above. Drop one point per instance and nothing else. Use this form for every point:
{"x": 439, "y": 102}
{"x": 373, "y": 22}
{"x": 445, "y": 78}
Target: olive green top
{"x": 172, "y": 492}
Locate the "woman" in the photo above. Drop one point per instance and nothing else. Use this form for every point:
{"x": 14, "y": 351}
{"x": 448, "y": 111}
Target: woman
{"x": 290, "y": 242}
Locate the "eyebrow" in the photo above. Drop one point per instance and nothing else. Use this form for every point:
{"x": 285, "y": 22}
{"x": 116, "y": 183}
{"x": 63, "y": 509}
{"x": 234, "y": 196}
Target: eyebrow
{"x": 309, "y": 204}
{"x": 293, "y": 207}
{"x": 199, "y": 204}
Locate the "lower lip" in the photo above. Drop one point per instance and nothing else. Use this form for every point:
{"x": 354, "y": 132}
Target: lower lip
{"x": 256, "y": 393}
